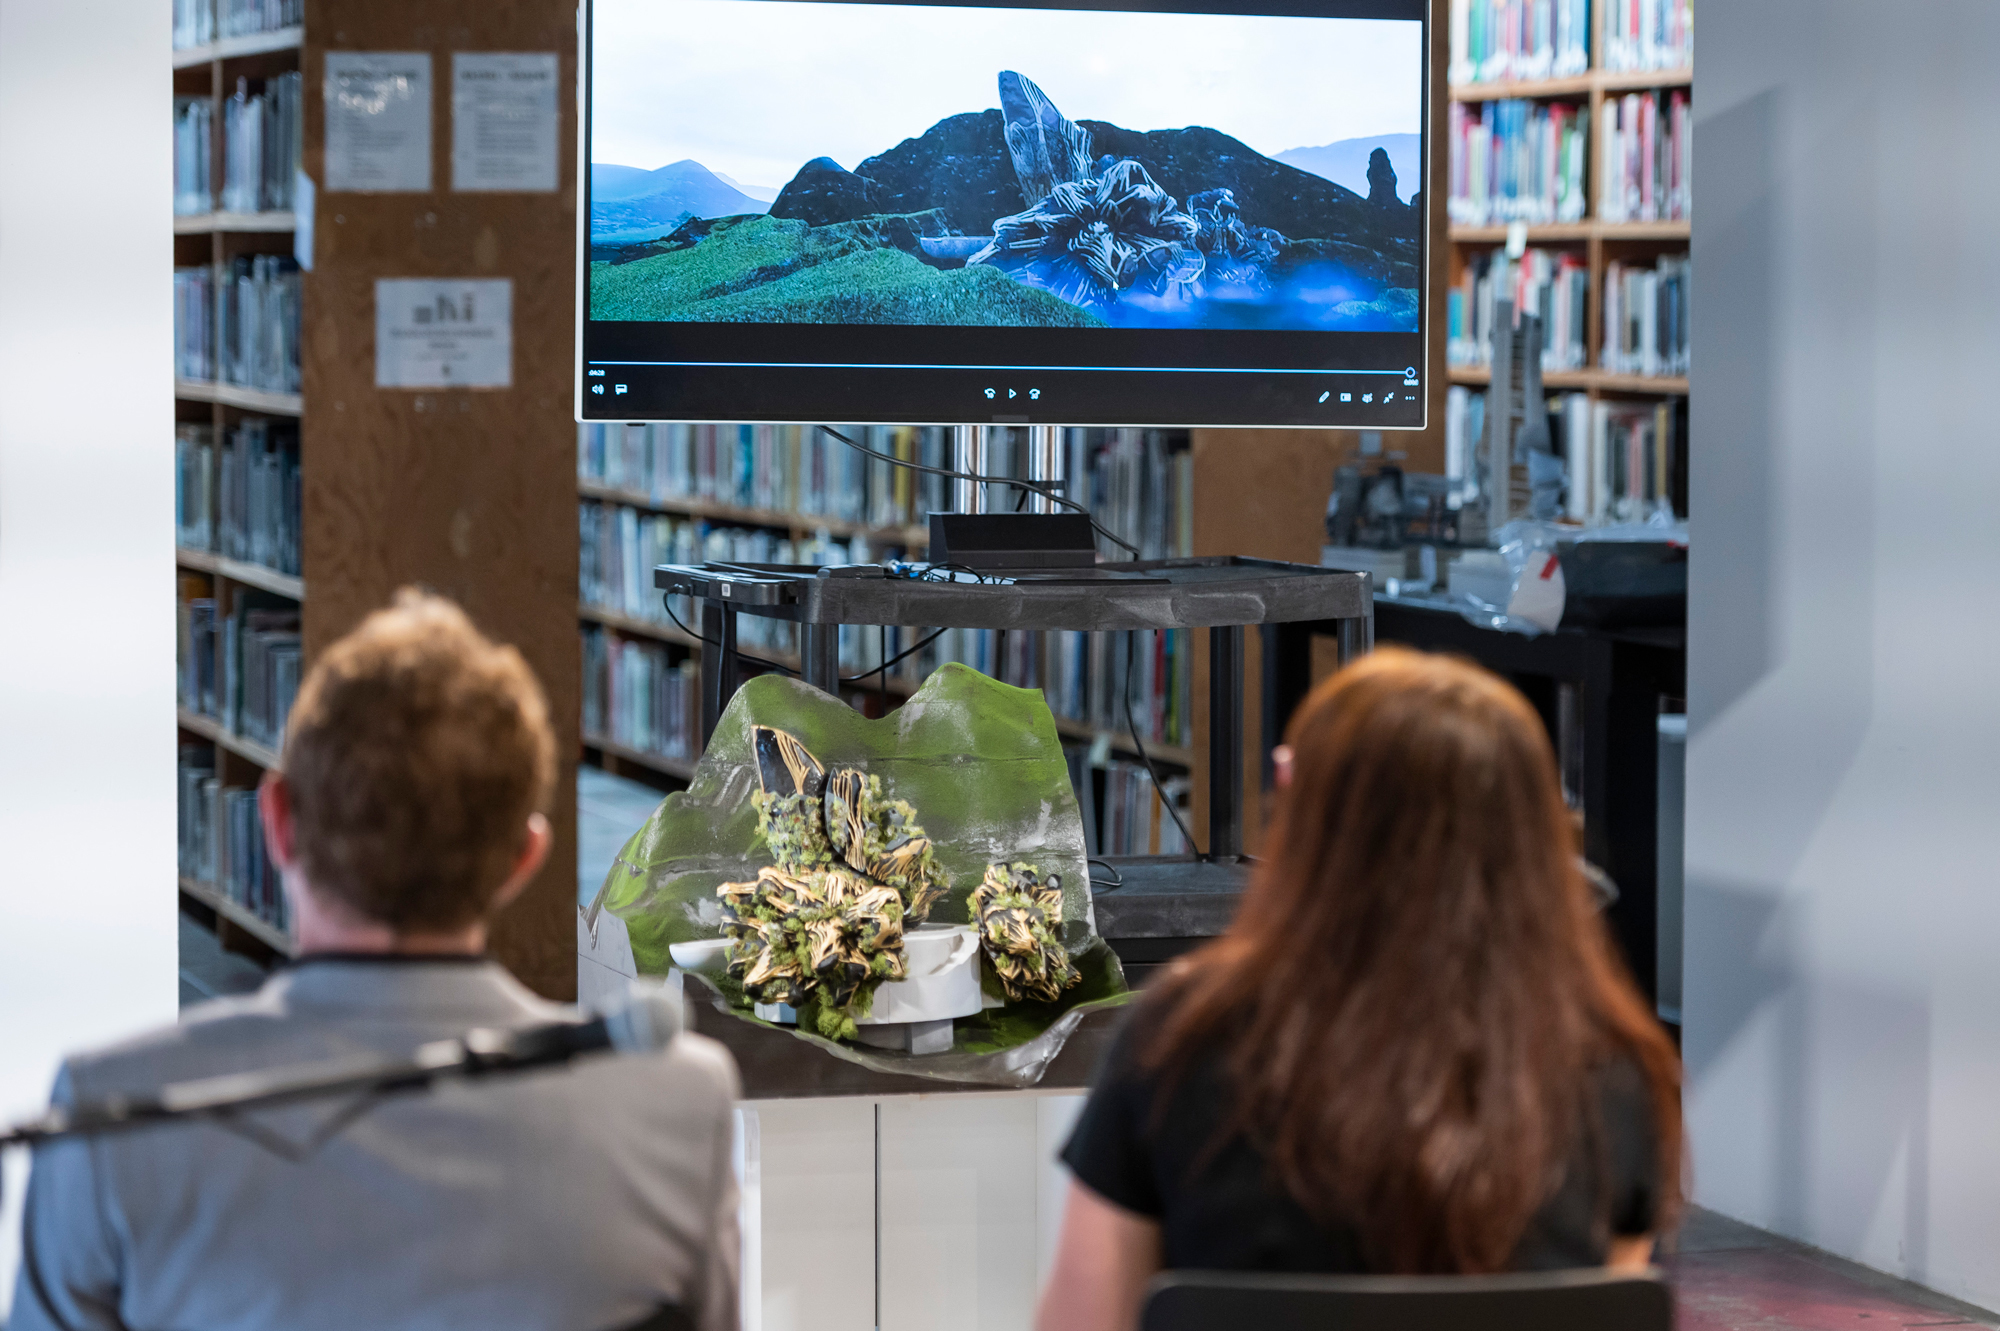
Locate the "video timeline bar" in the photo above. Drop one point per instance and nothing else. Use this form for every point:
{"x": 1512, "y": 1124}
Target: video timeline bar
{"x": 1368, "y": 399}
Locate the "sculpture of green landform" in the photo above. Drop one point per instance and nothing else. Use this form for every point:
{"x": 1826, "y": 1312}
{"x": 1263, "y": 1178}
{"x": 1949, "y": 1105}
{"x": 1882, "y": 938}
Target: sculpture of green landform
{"x": 983, "y": 767}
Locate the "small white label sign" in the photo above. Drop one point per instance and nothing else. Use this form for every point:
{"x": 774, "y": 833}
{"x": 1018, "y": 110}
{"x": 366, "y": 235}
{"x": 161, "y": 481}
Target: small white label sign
{"x": 444, "y": 332}
{"x": 378, "y": 121}
{"x": 503, "y": 121}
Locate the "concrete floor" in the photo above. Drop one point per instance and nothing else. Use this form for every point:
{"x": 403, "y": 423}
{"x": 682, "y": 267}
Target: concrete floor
{"x": 1729, "y": 1276}
{"x": 206, "y": 970}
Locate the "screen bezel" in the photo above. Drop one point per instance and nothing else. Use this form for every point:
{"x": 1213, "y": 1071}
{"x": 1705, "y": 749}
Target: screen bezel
{"x": 852, "y": 387}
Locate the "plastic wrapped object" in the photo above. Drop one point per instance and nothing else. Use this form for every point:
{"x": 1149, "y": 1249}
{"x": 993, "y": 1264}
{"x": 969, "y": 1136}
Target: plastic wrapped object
{"x": 1518, "y": 588}
{"x": 977, "y": 761}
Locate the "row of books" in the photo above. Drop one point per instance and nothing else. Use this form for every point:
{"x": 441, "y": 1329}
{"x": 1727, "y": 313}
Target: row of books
{"x": 194, "y": 323}
{"x": 1519, "y": 39}
{"x": 634, "y": 694}
{"x": 262, "y": 140}
{"x": 780, "y": 468}
{"x": 1636, "y": 462}
{"x": 1083, "y": 674}
{"x": 1553, "y": 284}
{"x": 1123, "y": 811}
{"x": 1140, "y": 485}
{"x": 1465, "y": 460}
{"x": 194, "y": 137}
{"x": 241, "y": 500}
{"x": 1646, "y": 169}
{"x": 1648, "y": 34}
{"x": 1136, "y": 481}
{"x": 200, "y": 22}
{"x": 1644, "y": 328}
{"x": 195, "y": 685}
{"x": 239, "y": 324}
{"x": 237, "y": 662}
{"x": 644, "y": 694}
{"x": 1622, "y": 461}
{"x": 1646, "y": 316}
{"x": 222, "y": 838}
{"x": 257, "y": 323}
{"x": 1517, "y": 161}
{"x": 619, "y": 546}
{"x": 261, "y": 670}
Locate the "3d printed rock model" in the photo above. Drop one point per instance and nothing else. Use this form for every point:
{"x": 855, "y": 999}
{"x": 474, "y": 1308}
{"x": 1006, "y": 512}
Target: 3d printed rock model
{"x": 818, "y": 876}
{"x": 823, "y": 928}
{"x": 1020, "y": 926}
{"x": 1020, "y": 216}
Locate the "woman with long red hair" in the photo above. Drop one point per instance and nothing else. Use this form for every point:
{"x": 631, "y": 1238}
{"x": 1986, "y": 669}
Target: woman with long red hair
{"x": 1414, "y": 1051}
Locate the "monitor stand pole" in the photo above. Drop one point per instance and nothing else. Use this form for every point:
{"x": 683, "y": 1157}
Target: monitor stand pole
{"x": 968, "y": 457}
{"x": 971, "y": 453}
{"x": 1044, "y": 464}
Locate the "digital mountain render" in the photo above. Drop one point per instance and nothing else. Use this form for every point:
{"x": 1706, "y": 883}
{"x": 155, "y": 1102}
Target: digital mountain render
{"x": 1021, "y": 216}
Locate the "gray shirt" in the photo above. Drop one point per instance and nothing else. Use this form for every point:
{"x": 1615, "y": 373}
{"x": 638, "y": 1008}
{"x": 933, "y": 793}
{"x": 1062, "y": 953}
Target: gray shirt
{"x": 582, "y": 1198}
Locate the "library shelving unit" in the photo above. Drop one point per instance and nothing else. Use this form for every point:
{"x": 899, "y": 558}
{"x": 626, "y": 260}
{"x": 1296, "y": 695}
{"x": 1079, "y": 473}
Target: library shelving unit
{"x": 662, "y": 769}
{"x": 214, "y": 239}
{"x": 872, "y": 693}
{"x": 1600, "y": 242}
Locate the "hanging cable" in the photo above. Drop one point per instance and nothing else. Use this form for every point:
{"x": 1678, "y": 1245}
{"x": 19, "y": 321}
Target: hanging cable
{"x": 1131, "y": 650}
{"x": 899, "y": 656}
{"x": 1042, "y": 490}
{"x": 741, "y": 655}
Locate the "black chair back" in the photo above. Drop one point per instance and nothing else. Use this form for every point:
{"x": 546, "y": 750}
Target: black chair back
{"x": 667, "y": 1317}
{"x": 1529, "y": 1301}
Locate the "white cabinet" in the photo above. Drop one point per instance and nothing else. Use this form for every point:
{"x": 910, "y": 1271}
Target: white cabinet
{"x": 927, "y": 1211}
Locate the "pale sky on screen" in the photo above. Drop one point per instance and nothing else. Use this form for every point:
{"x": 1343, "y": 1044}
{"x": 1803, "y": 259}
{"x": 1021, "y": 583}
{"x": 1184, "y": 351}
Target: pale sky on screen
{"x": 756, "y": 88}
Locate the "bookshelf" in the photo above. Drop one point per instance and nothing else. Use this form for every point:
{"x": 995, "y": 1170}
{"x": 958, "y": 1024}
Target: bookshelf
{"x": 798, "y": 526}
{"x": 676, "y": 475}
{"x": 1264, "y": 493}
{"x": 260, "y": 756}
{"x": 254, "y": 401}
{"x": 1597, "y": 81}
{"x": 207, "y": 567}
{"x": 241, "y": 917}
{"x": 620, "y": 760}
{"x": 277, "y": 41}
{"x": 241, "y": 572}
{"x": 1596, "y": 241}
{"x": 202, "y": 224}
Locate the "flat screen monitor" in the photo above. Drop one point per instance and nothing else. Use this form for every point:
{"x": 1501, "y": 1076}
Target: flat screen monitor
{"x": 1064, "y": 212}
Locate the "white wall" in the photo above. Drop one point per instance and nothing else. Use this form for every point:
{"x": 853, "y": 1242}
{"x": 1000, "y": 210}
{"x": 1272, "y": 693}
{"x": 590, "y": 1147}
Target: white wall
{"x": 87, "y": 906}
{"x": 1842, "y": 974}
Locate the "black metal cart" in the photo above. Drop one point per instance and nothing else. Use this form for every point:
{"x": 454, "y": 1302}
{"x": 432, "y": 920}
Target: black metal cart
{"x": 1168, "y": 900}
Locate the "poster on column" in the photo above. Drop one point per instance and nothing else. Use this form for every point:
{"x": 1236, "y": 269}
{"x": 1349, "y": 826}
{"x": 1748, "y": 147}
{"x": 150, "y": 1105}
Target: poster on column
{"x": 444, "y": 332}
{"x": 378, "y": 121}
{"x": 503, "y": 121}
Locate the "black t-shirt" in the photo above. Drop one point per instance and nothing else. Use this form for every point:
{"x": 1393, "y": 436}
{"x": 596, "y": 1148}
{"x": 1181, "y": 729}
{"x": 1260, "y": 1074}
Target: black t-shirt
{"x": 1232, "y": 1213}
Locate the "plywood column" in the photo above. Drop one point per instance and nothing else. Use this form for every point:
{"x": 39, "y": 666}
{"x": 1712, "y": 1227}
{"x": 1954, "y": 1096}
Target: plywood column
{"x": 469, "y": 493}
{"x": 1263, "y": 492}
